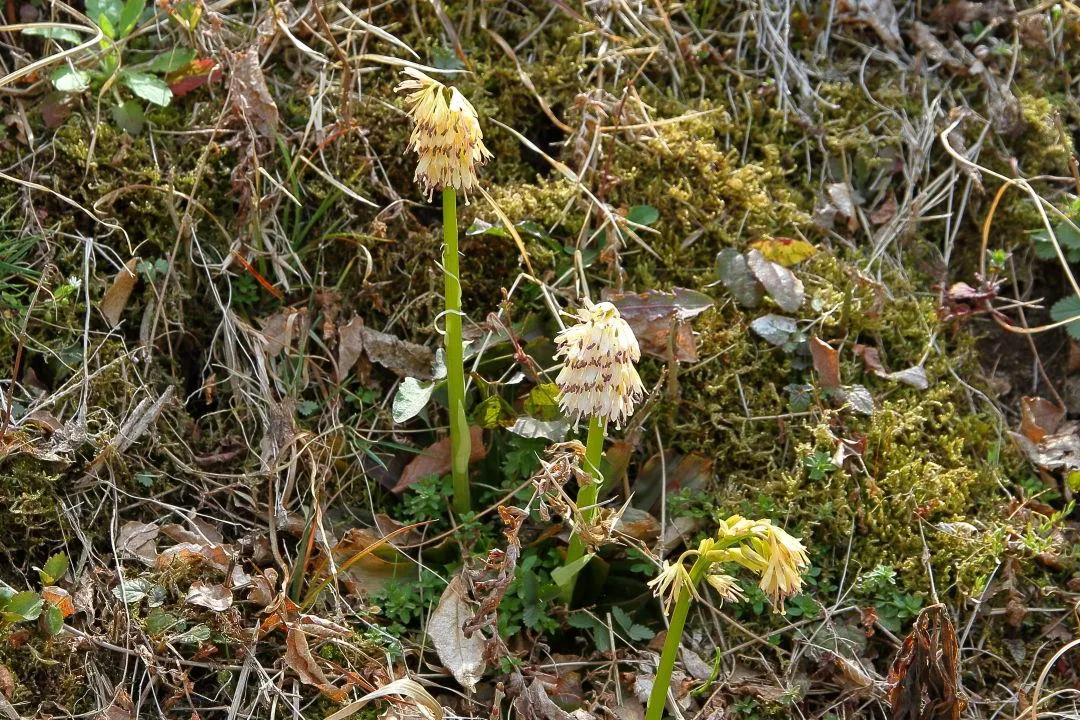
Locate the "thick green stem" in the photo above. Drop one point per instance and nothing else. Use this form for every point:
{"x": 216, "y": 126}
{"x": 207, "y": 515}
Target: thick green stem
{"x": 658, "y": 696}
{"x": 460, "y": 441}
{"x": 587, "y": 496}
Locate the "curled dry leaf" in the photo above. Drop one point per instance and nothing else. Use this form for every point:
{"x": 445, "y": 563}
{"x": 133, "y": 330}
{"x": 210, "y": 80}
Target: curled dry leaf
{"x": 403, "y": 358}
{"x": 435, "y": 460}
{"x": 116, "y": 297}
{"x": 462, "y": 656}
{"x": 214, "y": 597}
{"x": 923, "y": 679}
{"x": 654, "y": 313}
{"x": 137, "y": 540}
{"x": 283, "y": 328}
{"x": 779, "y": 282}
{"x": 1039, "y": 417}
{"x": 251, "y": 97}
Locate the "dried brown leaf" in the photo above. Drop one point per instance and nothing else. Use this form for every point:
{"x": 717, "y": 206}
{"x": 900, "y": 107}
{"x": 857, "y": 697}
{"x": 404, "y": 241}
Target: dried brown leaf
{"x": 826, "y": 363}
{"x": 136, "y": 539}
{"x": 924, "y": 39}
{"x": 879, "y": 15}
{"x": 403, "y": 358}
{"x": 298, "y": 657}
{"x": 283, "y": 328}
{"x": 435, "y": 460}
{"x": 214, "y": 597}
{"x": 923, "y": 679}
{"x": 463, "y": 656}
{"x": 1039, "y": 417}
{"x": 116, "y": 297}
{"x": 250, "y": 95}
{"x": 653, "y": 315}
{"x": 779, "y": 282}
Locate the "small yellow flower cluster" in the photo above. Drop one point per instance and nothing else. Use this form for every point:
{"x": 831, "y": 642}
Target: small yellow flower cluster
{"x": 446, "y": 137}
{"x": 759, "y": 546}
{"x": 598, "y": 377}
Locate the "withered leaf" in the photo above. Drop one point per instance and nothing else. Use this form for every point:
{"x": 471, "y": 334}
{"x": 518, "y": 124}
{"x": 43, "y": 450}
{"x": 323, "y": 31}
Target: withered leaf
{"x": 116, "y": 297}
{"x": 435, "y": 460}
{"x": 214, "y": 596}
{"x": 251, "y": 97}
{"x": 403, "y": 358}
{"x": 654, "y": 313}
{"x": 462, "y": 656}
{"x": 879, "y": 15}
{"x": 283, "y": 328}
{"x": 924, "y": 39}
{"x": 1039, "y": 417}
{"x": 923, "y": 681}
{"x": 826, "y": 363}
{"x": 136, "y": 539}
{"x": 734, "y": 274}
{"x": 298, "y": 657}
{"x": 779, "y": 282}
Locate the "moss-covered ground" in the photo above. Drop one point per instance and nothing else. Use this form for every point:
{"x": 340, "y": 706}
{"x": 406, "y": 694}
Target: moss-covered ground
{"x": 213, "y": 404}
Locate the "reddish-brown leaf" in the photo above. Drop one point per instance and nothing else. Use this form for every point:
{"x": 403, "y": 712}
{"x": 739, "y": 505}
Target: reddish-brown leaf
{"x": 653, "y": 315}
{"x": 436, "y": 460}
{"x": 826, "y": 363}
{"x": 1039, "y": 417}
{"x": 923, "y": 678}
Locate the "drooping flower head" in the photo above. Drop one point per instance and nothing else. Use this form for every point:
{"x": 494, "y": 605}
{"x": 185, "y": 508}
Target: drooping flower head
{"x": 786, "y": 559}
{"x": 598, "y": 377}
{"x": 446, "y": 135}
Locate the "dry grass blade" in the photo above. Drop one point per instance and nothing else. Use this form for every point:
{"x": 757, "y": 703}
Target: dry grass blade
{"x": 411, "y": 690}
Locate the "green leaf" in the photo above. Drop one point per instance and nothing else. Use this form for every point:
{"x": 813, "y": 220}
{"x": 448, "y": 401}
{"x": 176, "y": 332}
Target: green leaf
{"x": 1067, "y": 236}
{"x": 129, "y": 117}
{"x": 132, "y": 591}
{"x": 643, "y": 214}
{"x": 1065, "y": 309}
{"x": 199, "y": 633}
{"x": 622, "y": 617}
{"x": 640, "y": 632}
{"x": 129, "y": 16}
{"x": 158, "y": 621}
{"x": 55, "y": 568}
{"x": 565, "y": 574}
{"x": 149, "y": 87}
{"x": 581, "y": 621}
{"x": 53, "y": 620}
{"x": 68, "y": 79}
{"x": 410, "y": 399}
{"x": 55, "y": 33}
{"x": 107, "y": 27}
{"x": 489, "y": 413}
{"x": 24, "y": 606}
{"x": 172, "y": 60}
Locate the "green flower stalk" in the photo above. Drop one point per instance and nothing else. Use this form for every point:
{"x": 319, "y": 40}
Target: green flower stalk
{"x": 449, "y": 145}
{"x": 757, "y": 545}
{"x": 598, "y": 380}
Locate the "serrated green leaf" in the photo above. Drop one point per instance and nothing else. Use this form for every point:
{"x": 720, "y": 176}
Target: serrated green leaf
{"x": 1067, "y": 236}
{"x": 55, "y": 33}
{"x": 52, "y": 620}
{"x": 55, "y": 568}
{"x": 149, "y": 87}
{"x": 640, "y": 632}
{"x": 132, "y": 591}
{"x": 1067, "y": 308}
{"x": 70, "y": 80}
{"x": 172, "y": 60}
{"x": 158, "y": 621}
{"x": 25, "y": 605}
{"x": 622, "y": 617}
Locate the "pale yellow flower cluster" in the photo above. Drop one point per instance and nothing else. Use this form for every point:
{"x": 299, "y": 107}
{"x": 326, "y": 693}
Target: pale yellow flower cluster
{"x": 446, "y": 136}
{"x": 598, "y": 377}
{"x": 759, "y": 546}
